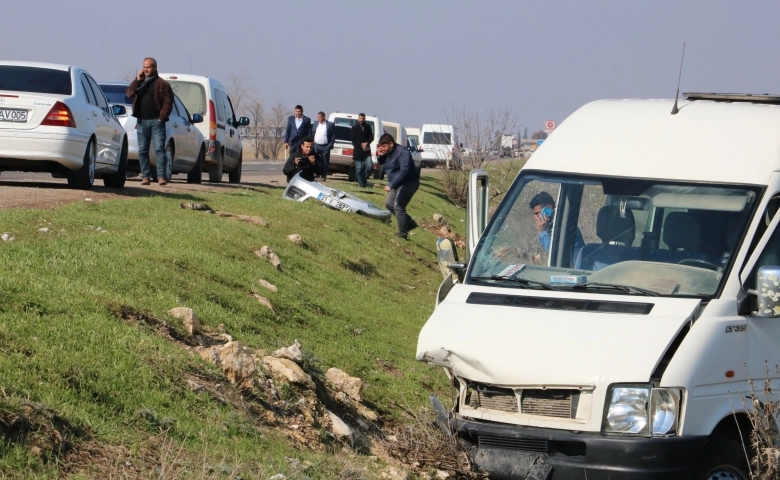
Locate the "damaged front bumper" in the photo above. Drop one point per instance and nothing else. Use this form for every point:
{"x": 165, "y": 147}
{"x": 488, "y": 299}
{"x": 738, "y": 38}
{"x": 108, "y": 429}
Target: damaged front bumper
{"x": 518, "y": 452}
{"x": 301, "y": 190}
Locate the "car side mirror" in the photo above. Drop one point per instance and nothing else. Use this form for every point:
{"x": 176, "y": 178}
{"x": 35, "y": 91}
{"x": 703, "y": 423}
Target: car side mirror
{"x": 243, "y": 122}
{"x": 768, "y": 292}
{"x": 197, "y": 118}
{"x": 119, "y": 110}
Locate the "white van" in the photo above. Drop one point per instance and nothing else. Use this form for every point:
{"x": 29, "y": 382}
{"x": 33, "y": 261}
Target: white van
{"x": 413, "y": 134}
{"x": 438, "y": 144}
{"x": 610, "y": 315}
{"x": 209, "y": 98}
{"x": 341, "y": 155}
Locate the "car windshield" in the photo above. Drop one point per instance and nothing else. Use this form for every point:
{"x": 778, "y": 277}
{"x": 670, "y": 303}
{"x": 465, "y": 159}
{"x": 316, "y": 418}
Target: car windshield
{"x": 35, "y": 80}
{"x": 191, "y": 94}
{"x": 116, "y": 93}
{"x": 437, "y": 138}
{"x": 343, "y": 128}
{"x": 620, "y": 235}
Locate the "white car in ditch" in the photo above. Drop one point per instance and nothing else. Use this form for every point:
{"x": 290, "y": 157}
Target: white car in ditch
{"x": 302, "y": 190}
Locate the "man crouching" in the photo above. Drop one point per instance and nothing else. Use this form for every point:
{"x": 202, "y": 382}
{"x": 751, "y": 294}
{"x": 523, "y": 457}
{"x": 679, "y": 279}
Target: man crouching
{"x": 303, "y": 160}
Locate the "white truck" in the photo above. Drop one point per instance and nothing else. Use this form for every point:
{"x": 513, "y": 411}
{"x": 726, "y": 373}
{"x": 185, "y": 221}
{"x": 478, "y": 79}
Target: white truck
{"x": 610, "y": 316}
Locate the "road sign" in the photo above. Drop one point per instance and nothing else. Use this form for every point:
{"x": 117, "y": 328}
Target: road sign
{"x": 549, "y": 125}
{"x": 539, "y": 143}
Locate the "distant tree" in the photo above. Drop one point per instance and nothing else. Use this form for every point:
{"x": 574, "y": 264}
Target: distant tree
{"x": 239, "y": 91}
{"x": 129, "y": 75}
{"x": 540, "y": 135}
{"x": 256, "y": 110}
{"x": 525, "y": 134}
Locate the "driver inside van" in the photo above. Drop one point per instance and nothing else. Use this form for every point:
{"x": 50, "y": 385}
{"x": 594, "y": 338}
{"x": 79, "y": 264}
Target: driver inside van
{"x": 543, "y": 208}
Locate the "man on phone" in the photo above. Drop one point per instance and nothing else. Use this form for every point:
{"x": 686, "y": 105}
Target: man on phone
{"x": 303, "y": 160}
{"x": 543, "y": 209}
{"x": 152, "y": 104}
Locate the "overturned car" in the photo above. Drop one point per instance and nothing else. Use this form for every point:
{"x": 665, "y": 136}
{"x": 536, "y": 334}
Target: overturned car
{"x": 301, "y": 190}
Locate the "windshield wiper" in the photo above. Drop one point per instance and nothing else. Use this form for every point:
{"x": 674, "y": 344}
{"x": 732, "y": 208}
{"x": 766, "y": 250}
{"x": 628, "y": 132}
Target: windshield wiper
{"x": 521, "y": 281}
{"x": 620, "y": 288}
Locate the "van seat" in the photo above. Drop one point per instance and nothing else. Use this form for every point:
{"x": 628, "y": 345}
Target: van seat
{"x": 682, "y": 234}
{"x": 616, "y": 234}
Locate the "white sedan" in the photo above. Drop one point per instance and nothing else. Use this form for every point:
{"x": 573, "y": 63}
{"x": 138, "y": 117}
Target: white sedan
{"x": 55, "y": 119}
{"x": 184, "y": 142}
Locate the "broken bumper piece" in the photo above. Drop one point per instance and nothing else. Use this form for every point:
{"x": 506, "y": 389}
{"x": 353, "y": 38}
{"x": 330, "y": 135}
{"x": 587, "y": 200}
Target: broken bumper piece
{"x": 301, "y": 190}
{"x": 513, "y": 452}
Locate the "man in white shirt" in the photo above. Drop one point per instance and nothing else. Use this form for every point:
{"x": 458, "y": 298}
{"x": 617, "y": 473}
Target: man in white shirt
{"x": 323, "y": 142}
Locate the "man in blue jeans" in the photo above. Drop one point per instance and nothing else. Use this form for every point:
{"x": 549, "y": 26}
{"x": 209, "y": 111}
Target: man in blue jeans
{"x": 152, "y": 104}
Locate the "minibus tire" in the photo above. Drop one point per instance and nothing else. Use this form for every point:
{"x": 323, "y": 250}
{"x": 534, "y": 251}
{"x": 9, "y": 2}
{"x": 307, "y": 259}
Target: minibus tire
{"x": 722, "y": 458}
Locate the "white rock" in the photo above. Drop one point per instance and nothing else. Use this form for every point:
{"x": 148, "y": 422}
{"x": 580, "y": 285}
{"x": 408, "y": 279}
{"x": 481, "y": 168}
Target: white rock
{"x": 189, "y": 319}
{"x": 289, "y": 370}
{"x": 442, "y": 474}
{"x": 87, "y": 199}
{"x": 439, "y": 218}
{"x": 295, "y": 238}
{"x": 44, "y": 229}
{"x": 293, "y": 352}
{"x": 338, "y": 427}
{"x": 263, "y": 301}
{"x": 235, "y": 360}
{"x": 278, "y": 476}
{"x": 342, "y": 382}
{"x": 267, "y": 285}
{"x": 6, "y": 237}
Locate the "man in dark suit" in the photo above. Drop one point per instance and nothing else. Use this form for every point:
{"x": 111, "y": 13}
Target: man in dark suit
{"x": 298, "y": 127}
{"x": 324, "y": 136}
{"x": 303, "y": 160}
{"x": 362, "y": 136}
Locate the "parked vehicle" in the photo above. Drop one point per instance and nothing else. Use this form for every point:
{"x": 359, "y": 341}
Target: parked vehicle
{"x": 341, "y": 155}
{"x": 301, "y": 190}
{"x": 438, "y": 144}
{"x": 184, "y": 142}
{"x": 55, "y": 119}
{"x": 399, "y": 135}
{"x": 209, "y": 98}
{"x": 622, "y": 339}
{"x": 413, "y": 134}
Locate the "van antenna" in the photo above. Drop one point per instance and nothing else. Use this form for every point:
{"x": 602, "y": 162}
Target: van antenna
{"x": 677, "y": 95}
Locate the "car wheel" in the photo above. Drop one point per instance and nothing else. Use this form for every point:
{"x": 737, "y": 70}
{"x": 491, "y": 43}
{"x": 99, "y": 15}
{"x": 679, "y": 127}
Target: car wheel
{"x": 352, "y": 173}
{"x": 84, "y": 177}
{"x": 215, "y": 171}
{"x": 235, "y": 175}
{"x": 722, "y": 458}
{"x": 170, "y": 154}
{"x": 117, "y": 180}
{"x": 196, "y": 174}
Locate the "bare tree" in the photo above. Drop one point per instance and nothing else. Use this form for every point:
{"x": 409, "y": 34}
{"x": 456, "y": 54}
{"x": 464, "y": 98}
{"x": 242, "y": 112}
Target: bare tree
{"x": 129, "y": 75}
{"x": 479, "y": 137}
{"x": 274, "y": 124}
{"x": 256, "y": 109}
{"x": 239, "y": 90}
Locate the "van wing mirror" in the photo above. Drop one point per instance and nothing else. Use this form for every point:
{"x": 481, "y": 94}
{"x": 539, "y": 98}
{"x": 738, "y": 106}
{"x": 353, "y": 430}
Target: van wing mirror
{"x": 243, "y": 122}
{"x": 197, "y": 118}
{"x": 118, "y": 110}
{"x": 768, "y": 291}
{"x": 477, "y": 208}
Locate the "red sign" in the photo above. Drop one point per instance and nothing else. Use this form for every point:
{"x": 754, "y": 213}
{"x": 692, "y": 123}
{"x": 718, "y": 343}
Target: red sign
{"x": 549, "y": 125}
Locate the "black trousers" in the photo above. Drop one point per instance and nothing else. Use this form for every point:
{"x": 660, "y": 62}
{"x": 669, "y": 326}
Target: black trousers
{"x": 396, "y": 202}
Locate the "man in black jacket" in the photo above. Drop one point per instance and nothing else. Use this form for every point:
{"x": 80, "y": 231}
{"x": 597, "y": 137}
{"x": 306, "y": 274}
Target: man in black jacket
{"x": 403, "y": 179}
{"x": 362, "y": 136}
{"x": 303, "y": 160}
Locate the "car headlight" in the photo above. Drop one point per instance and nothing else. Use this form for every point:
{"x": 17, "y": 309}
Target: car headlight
{"x": 642, "y": 410}
{"x": 295, "y": 193}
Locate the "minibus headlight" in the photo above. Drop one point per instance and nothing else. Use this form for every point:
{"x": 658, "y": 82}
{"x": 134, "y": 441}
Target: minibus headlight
{"x": 642, "y": 410}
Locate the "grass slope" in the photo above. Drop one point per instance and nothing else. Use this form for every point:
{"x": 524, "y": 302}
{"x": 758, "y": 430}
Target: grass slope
{"x": 70, "y": 368}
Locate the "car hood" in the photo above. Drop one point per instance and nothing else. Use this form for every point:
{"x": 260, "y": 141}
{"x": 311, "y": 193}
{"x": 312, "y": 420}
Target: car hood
{"x": 509, "y": 345}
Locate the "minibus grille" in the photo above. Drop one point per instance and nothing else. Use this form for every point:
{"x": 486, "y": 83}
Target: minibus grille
{"x": 548, "y": 403}
{"x": 492, "y": 398}
{"x": 581, "y": 305}
{"x": 522, "y": 444}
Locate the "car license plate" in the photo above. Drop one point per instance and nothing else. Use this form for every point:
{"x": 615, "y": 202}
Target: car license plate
{"x": 17, "y": 116}
{"x": 333, "y": 202}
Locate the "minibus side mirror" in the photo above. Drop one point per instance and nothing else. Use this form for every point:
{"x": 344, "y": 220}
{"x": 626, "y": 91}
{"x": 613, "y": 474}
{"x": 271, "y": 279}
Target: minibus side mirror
{"x": 768, "y": 291}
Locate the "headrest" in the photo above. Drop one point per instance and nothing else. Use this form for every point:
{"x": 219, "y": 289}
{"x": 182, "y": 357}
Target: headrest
{"x": 611, "y": 227}
{"x": 681, "y": 230}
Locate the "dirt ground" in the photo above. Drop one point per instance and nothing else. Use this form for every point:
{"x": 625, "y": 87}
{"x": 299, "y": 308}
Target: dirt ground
{"x": 40, "y": 190}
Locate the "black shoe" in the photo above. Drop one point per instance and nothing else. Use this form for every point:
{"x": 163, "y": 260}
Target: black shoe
{"x": 401, "y": 235}
{"x": 412, "y": 224}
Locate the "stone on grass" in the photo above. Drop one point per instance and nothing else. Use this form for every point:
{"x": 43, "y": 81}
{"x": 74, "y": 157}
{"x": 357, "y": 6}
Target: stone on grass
{"x": 293, "y": 352}
{"x": 278, "y": 476}
{"x": 267, "y": 285}
{"x": 288, "y": 370}
{"x": 338, "y": 427}
{"x": 295, "y": 238}
{"x": 236, "y": 362}
{"x": 439, "y": 218}
{"x": 445, "y": 230}
{"x": 341, "y": 382}
{"x": 269, "y": 255}
{"x": 442, "y": 474}
{"x": 244, "y": 218}
{"x": 189, "y": 319}
{"x": 263, "y": 301}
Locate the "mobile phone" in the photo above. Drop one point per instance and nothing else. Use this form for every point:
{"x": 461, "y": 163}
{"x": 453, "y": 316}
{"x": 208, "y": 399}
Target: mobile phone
{"x": 547, "y": 212}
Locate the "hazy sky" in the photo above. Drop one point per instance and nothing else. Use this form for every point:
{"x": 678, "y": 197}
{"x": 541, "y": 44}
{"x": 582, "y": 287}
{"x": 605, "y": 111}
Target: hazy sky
{"x": 410, "y": 61}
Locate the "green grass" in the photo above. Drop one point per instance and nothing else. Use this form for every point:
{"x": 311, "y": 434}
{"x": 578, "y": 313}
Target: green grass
{"x": 353, "y": 298}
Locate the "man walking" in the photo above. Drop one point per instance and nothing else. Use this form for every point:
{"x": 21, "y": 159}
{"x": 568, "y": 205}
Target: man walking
{"x": 324, "y": 136}
{"x": 152, "y": 104}
{"x": 362, "y": 136}
{"x": 303, "y": 160}
{"x": 403, "y": 181}
{"x": 298, "y": 127}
